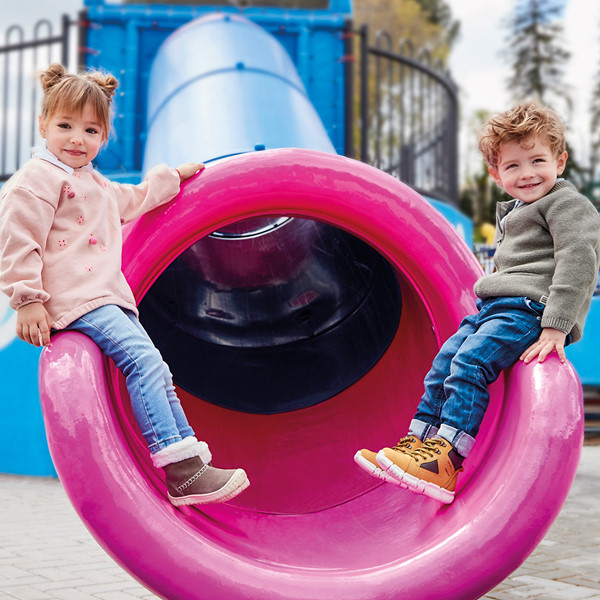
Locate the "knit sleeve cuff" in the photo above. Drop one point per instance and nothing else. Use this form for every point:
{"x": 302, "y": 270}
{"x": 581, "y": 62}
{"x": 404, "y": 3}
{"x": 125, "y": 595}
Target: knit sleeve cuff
{"x": 556, "y": 323}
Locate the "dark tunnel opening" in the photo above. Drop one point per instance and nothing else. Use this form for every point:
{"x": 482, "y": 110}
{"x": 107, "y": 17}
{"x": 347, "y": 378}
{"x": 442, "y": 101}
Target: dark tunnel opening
{"x": 273, "y": 314}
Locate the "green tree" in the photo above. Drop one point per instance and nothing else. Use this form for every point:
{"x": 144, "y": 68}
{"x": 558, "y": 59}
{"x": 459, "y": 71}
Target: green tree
{"x": 479, "y": 193}
{"x": 426, "y": 24}
{"x": 536, "y": 49}
{"x": 440, "y": 13}
{"x": 594, "y": 171}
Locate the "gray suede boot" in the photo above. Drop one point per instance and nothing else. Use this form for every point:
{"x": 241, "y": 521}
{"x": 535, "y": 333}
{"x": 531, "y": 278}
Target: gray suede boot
{"x": 191, "y": 479}
{"x": 192, "y": 482}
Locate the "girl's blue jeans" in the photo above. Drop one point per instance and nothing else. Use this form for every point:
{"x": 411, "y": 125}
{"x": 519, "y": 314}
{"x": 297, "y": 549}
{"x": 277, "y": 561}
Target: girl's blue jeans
{"x": 156, "y": 407}
{"x": 456, "y": 387}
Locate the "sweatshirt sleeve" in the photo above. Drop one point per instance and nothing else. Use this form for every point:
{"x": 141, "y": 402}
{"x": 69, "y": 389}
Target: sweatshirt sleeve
{"x": 160, "y": 185}
{"x": 25, "y": 221}
{"x": 575, "y": 228}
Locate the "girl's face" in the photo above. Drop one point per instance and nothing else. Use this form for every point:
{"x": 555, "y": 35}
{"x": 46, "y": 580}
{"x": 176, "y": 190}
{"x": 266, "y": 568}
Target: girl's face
{"x": 74, "y": 138}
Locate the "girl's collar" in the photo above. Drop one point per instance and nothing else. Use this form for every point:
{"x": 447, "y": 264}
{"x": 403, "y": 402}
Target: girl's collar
{"x": 45, "y": 154}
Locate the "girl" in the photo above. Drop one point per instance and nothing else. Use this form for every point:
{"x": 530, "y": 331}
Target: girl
{"x": 60, "y": 265}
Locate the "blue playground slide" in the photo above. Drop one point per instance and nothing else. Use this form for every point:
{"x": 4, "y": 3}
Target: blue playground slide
{"x": 235, "y": 111}
{"x": 298, "y": 297}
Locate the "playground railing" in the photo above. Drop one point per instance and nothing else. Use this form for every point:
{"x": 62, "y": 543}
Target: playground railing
{"x": 22, "y": 57}
{"x": 407, "y": 115}
{"x": 400, "y": 111}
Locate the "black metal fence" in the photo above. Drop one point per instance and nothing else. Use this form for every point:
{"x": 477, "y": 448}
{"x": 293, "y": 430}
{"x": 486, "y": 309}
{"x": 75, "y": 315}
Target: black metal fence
{"x": 401, "y": 110}
{"x": 407, "y": 109}
{"x": 22, "y": 57}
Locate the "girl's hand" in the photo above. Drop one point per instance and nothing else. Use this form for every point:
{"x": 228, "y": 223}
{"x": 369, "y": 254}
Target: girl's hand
{"x": 187, "y": 170}
{"x": 33, "y": 324}
{"x": 550, "y": 339}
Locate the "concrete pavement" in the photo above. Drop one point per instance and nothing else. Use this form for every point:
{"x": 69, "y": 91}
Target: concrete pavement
{"x": 46, "y": 553}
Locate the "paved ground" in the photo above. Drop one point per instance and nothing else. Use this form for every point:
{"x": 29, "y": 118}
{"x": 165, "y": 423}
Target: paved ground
{"x": 46, "y": 553}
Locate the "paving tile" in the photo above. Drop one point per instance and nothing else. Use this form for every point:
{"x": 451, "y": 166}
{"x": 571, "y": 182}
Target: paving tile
{"x": 46, "y": 553}
{"x": 584, "y": 581}
{"x": 26, "y": 593}
{"x": 566, "y": 563}
{"x": 72, "y": 594}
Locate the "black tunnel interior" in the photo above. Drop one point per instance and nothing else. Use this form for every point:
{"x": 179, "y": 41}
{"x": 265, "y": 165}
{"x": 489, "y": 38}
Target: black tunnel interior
{"x": 273, "y": 314}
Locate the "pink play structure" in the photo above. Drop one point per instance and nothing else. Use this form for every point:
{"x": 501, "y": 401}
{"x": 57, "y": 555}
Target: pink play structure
{"x": 312, "y": 525}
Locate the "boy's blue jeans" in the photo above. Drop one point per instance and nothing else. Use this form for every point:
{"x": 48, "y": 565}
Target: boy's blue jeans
{"x": 456, "y": 387}
{"x": 156, "y": 407}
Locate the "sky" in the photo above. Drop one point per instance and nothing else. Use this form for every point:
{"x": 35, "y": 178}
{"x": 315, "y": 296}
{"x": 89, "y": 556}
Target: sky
{"x": 477, "y": 63}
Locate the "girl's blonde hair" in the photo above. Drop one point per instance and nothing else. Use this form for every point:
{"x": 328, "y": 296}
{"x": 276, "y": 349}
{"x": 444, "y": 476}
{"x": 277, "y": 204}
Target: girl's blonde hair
{"x": 519, "y": 124}
{"x": 66, "y": 92}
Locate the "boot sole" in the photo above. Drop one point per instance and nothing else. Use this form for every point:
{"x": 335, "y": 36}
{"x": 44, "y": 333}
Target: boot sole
{"x": 236, "y": 484}
{"x": 412, "y": 483}
{"x": 369, "y": 467}
{"x": 374, "y": 471}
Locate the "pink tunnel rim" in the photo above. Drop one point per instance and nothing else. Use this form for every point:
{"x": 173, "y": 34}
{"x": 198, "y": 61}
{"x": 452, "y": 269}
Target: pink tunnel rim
{"x": 98, "y": 471}
{"x": 292, "y": 182}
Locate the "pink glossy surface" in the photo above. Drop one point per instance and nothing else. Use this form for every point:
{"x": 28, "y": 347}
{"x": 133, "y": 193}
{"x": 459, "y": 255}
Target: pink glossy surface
{"x": 312, "y": 525}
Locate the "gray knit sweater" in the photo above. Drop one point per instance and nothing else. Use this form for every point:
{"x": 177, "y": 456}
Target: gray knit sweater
{"x": 548, "y": 251}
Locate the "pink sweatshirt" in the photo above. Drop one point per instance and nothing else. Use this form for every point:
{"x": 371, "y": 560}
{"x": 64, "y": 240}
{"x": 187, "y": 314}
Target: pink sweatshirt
{"x": 60, "y": 235}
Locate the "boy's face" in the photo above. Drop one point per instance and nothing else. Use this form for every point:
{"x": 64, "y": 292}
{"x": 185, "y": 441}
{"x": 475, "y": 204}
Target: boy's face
{"x": 75, "y": 139}
{"x": 527, "y": 170}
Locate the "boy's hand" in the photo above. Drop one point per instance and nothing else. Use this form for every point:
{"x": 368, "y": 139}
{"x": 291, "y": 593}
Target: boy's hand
{"x": 187, "y": 170}
{"x": 550, "y": 339}
{"x": 33, "y": 324}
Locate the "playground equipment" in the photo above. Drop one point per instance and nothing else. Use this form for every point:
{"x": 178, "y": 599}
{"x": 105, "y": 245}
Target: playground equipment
{"x": 347, "y": 258}
{"x": 582, "y": 354}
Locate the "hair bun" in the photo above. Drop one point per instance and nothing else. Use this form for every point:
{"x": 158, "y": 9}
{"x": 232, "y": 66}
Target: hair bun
{"x": 52, "y": 75}
{"x": 106, "y": 81}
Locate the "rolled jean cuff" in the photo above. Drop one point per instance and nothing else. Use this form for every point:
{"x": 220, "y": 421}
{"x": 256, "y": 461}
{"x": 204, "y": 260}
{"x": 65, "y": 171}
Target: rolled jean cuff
{"x": 421, "y": 429}
{"x": 462, "y": 442}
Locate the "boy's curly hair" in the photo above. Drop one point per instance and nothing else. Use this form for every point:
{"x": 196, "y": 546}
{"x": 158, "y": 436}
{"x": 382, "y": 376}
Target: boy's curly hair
{"x": 519, "y": 124}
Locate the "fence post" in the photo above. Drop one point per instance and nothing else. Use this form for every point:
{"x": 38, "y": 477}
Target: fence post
{"x": 18, "y": 90}
{"x": 82, "y": 50}
{"x": 66, "y": 23}
{"x": 364, "y": 92}
{"x": 453, "y": 143}
{"x": 349, "y": 89}
{"x": 419, "y": 120}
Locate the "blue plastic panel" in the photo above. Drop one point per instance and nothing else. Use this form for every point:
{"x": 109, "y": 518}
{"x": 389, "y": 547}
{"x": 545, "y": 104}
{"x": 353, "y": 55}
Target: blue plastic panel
{"x": 584, "y": 354}
{"x": 23, "y": 445}
{"x": 124, "y": 39}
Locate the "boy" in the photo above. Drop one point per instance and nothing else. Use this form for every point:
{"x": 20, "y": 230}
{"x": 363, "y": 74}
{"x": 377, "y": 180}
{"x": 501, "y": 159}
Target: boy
{"x": 547, "y": 260}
